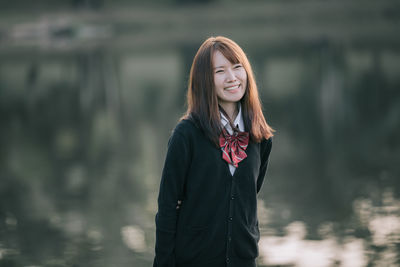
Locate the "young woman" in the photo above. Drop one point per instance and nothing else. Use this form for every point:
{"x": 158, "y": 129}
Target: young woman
{"x": 215, "y": 165}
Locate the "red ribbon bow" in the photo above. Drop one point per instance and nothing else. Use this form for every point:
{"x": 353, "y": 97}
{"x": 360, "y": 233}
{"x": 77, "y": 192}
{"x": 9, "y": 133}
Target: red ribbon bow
{"x": 233, "y": 146}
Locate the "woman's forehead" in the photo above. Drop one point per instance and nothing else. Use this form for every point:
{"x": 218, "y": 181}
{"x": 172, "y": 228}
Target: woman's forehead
{"x": 224, "y": 55}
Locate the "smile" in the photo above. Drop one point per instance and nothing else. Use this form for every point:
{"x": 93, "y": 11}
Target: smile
{"x": 233, "y": 87}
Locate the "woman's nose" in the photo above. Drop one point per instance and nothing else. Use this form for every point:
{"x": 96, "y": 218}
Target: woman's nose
{"x": 230, "y": 76}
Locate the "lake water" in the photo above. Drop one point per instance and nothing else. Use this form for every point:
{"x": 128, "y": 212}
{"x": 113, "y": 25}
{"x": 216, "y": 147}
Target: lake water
{"x": 88, "y": 101}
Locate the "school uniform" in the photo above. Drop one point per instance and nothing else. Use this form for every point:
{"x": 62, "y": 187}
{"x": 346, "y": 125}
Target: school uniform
{"x": 215, "y": 224}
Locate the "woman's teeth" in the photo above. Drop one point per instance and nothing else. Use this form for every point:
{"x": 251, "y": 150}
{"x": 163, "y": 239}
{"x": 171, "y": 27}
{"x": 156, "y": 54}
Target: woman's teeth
{"x": 232, "y": 87}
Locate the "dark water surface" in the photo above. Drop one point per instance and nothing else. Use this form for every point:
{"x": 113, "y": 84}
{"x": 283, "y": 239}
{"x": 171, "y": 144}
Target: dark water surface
{"x": 89, "y": 99}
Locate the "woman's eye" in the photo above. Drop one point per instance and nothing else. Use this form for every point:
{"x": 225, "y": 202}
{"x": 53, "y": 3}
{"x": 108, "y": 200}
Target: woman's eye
{"x": 219, "y": 71}
{"x": 238, "y": 66}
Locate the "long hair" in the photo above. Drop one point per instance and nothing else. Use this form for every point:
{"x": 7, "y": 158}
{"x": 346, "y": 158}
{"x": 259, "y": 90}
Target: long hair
{"x": 202, "y": 100}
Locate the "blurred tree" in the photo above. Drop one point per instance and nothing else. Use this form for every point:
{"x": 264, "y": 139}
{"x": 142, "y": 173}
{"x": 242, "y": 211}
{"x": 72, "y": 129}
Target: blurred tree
{"x": 183, "y": 2}
{"x": 95, "y": 4}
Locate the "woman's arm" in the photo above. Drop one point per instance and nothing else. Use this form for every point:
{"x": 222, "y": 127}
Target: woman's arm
{"x": 171, "y": 190}
{"x": 265, "y": 150}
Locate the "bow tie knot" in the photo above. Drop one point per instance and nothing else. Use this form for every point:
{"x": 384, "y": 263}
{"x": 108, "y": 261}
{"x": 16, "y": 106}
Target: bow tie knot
{"x": 233, "y": 146}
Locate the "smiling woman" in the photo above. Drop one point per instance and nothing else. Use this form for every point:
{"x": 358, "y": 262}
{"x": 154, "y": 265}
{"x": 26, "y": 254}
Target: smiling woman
{"x": 230, "y": 82}
{"x": 215, "y": 165}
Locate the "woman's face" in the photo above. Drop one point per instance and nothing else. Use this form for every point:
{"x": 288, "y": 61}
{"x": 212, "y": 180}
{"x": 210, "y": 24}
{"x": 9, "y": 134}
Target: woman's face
{"x": 230, "y": 80}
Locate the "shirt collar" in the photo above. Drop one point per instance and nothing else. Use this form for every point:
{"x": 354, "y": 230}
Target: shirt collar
{"x": 238, "y": 122}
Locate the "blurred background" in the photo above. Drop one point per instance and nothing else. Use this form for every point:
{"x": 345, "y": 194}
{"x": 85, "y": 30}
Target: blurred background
{"x": 90, "y": 91}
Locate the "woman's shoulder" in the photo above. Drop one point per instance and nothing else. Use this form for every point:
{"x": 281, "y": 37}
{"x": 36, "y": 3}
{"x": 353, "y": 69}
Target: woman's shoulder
{"x": 185, "y": 127}
{"x": 267, "y": 140}
{"x": 266, "y": 143}
{"x": 184, "y": 133}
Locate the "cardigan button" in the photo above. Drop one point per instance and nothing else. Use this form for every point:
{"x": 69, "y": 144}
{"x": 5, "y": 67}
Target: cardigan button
{"x": 230, "y": 218}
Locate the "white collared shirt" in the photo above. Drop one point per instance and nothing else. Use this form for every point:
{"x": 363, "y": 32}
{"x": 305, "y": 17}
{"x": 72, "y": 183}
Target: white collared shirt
{"x": 239, "y": 123}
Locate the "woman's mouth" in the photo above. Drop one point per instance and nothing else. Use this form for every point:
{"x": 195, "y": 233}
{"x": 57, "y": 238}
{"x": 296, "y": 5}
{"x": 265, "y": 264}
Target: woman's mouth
{"x": 232, "y": 87}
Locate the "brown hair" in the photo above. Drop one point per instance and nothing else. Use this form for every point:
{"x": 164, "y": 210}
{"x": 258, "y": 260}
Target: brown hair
{"x": 202, "y": 100}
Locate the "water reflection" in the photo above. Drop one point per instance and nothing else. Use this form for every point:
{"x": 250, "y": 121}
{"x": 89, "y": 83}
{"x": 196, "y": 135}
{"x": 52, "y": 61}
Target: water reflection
{"x": 293, "y": 248}
{"x": 134, "y": 238}
{"x": 85, "y": 128}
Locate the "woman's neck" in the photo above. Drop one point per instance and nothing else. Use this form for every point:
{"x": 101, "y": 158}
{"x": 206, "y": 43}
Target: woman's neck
{"x": 231, "y": 110}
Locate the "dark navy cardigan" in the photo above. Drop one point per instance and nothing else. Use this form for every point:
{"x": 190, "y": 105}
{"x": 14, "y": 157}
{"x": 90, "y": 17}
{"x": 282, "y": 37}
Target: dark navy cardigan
{"x": 216, "y": 224}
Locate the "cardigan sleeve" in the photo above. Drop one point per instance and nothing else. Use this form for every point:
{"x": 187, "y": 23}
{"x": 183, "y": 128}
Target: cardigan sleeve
{"x": 171, "y": 190}
{"x": 265, "y": 150}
